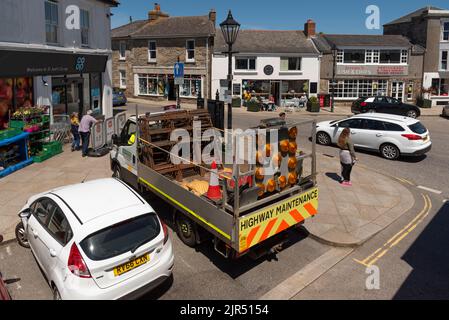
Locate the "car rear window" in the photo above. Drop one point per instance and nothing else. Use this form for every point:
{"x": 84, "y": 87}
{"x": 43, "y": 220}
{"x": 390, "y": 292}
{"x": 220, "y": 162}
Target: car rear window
{"x": 122, "y": 237}
{"x": 418, "y": 128}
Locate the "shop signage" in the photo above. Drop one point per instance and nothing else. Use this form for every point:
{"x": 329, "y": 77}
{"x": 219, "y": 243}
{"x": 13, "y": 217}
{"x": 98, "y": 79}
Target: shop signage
{"x": 28, "y": 63}
{"x": 372, "y": 70}
{"x": 268, "y": 70}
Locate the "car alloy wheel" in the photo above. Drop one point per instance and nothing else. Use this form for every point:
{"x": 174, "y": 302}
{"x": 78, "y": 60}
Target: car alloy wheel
{"x": 323, "y": 138}
{"x": 21, "y": 236}
{"x": 412, "y": 114}
{"x": 116, "y": 173}
{"x": 390, "y": 152}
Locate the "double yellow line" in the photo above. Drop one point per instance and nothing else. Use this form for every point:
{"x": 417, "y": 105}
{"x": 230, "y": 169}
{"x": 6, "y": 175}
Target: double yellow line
{"x": 398, "y": 237}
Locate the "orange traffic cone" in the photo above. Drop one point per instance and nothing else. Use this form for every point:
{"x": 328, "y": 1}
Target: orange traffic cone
{"x": 214, "y": 192}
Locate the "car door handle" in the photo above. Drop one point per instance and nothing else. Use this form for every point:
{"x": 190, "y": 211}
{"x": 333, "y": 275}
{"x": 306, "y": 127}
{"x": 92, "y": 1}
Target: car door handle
{"x": 352, "y": 132}
{"x": 35, "y": 233}
{"x": 379, "y": 135}
{"x": 52, "y": 253}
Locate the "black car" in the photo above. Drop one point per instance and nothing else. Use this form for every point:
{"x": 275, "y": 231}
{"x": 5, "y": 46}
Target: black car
{"x": 382, "y": 104}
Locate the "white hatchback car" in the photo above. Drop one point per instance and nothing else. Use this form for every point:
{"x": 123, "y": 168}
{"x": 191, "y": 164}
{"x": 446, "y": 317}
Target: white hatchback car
{"x": 98, "y": 240}
{"x": 391, "y": 135}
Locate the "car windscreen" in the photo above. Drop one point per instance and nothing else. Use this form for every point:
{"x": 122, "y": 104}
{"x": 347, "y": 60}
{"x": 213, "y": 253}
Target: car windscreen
{"x": 418, "y": 128}
{"x": 122, "y": 237}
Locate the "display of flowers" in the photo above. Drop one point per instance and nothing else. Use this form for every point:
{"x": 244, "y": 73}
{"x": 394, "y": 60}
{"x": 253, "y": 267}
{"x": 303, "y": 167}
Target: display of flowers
{"x": 27, "y": 112}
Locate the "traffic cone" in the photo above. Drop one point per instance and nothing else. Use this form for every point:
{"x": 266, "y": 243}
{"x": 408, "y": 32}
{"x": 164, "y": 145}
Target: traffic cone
{"x": 214, "y": 192}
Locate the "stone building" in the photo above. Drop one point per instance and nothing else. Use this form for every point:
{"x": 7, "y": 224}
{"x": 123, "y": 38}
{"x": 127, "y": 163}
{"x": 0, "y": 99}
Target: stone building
{"x": 367, "y": 65}
{"x": 145, "y": 51}
{"x": 429, "y": 28}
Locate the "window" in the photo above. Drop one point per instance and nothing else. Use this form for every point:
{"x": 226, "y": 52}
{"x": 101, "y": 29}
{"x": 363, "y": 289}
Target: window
{"x": 190, "y": 50}
{"x": 353, "y": 89}
{"x": 291, "y": 64}
{"x": 390, "y": 56}
{"x": 404, "y": 56}
{"x": 440, "y": 87}
{"x": 418, "y": 128}
{"x": 120, "y": 238}
{"x": 152, "y": 84}
{"x": 122, "y": 79}
{"x": 352, "y": 123}
{"x": 51, "y": 22}
{"x": 369, "y": 56}
{"x": 41, "y": 212}
{"x": 122, "y": 50}
{"x": 85, "y": 24}
{"x": 340, "y": 55}
{"x": 59, "y": 227}
{"x": 152, "y": 51}
{"x": 410, "y": 91}
{"x": 392, "y": 127}
{"x": 191, "y": 87}
{"x": 376, "y": 56}
{"x": 369, "y": 124}
{"x": 245, "y": 63}
{"x": 446, "y": 31}
{"x": 444, "y": 55}
{"x": 354, "y": 56}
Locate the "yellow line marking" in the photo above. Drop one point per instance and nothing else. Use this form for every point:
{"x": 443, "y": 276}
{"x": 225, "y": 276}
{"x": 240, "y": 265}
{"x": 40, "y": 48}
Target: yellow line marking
{"x": 398, "y": 237}
{"x": 186, "y": 209}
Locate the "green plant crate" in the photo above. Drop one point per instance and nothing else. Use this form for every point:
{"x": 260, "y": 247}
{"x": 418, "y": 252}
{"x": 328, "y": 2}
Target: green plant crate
{"x": 54, "y": 147}
{"x": 41, "y": 157}
{"x": 17, "y": 124}
{"x": 9, "y": 133}
{"x": 252, "y": 106}
{"x": 45, "y": 118}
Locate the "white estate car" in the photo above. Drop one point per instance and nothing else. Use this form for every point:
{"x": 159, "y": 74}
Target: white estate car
{"x": 391, "y": 135}
{"x": 98, "y": 240}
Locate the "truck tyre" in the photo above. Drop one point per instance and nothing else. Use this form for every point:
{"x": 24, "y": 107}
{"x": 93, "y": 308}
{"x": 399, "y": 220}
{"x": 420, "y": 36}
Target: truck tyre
{"x": 185, "y": 228}
{"x": 116, "y": 172}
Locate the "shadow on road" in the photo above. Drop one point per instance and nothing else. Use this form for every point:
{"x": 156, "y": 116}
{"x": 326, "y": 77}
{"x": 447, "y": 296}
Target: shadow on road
{"x": 429, "y": 258}
{"x": 334, "y": 176}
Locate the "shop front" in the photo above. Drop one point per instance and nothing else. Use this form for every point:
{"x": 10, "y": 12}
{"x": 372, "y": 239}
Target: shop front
{"x": 438, "y": 88}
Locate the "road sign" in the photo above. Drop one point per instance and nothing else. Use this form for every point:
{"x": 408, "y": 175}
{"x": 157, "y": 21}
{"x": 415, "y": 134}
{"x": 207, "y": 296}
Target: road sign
{"x": 179, "y": 70}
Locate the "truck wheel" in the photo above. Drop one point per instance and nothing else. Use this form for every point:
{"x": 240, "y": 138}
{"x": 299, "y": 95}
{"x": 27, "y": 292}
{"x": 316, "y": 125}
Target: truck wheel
{"x": 185, "y": 228}
{"x": 116, "y": 172}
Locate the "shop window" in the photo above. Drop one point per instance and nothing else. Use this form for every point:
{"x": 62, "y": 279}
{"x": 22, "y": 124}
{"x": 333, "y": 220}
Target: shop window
{"x": 152, "y": 84}
{"x": 242, "y": 63}
{"x": 122, "y": 79}
{"x": 440, "y": 87}
{"x": 444, "y": 55}
{"x": 51, "y": 22}
{"x": 85, "y": 25}
{"x": 369, "y": 56}
{"x": 390, "y": 56}
{"x": 352, "y": 89}
{"x": 376, "y": 56}
{"x": 410, "y": 91}
{"x": 152, "y": 51}
{"x": 404, "y": 56}
{"x": 340, "y": 56}
{"x": 291, "y": 64}
{"x": 354, "y": 56}
{"x": 191, "y": 87}
{"x": 122, "y": 50}
{"x": 446, "y": 31}
{"x": 190, "y": 50}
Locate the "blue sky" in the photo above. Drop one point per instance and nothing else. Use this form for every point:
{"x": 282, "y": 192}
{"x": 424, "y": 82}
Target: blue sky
{"x": 344, "y": 16}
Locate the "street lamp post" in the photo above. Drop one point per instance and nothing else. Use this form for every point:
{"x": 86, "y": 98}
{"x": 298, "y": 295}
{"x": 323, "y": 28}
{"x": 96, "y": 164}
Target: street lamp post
{"x": 334, "y": 66}
{"x": 230, "y": 29}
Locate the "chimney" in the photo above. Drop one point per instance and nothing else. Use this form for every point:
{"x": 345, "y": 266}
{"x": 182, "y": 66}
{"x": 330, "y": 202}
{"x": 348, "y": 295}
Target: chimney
{"x": 213, "y": 16}
{"x": 156, "y": 13}
{"x": 310, "y": 28}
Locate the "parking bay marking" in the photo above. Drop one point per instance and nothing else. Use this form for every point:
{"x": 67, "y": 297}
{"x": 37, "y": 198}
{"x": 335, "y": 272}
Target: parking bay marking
{"x": 398, "y": 237}
{"x": 429, "y": 189}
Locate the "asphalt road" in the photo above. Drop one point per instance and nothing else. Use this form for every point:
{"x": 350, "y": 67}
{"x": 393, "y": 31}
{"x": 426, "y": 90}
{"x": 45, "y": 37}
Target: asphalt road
{"x": 414, "y": 267}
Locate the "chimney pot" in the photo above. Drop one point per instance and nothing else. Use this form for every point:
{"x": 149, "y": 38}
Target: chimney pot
{"x": 310, "y": 28}
{"x": 213, "y": 16}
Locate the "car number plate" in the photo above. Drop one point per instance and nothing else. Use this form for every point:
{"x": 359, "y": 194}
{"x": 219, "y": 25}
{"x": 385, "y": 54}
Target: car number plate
{"x": 126, "y": 267}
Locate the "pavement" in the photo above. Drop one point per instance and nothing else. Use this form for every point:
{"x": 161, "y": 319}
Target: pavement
{"x": 338, "y": 110}
{"x": 347, "y": 216}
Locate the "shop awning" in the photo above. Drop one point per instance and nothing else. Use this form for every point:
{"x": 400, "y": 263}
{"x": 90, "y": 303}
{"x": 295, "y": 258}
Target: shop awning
{"x": 28, "y": 63}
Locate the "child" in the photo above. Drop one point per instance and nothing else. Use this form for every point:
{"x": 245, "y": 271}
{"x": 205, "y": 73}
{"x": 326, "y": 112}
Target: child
{"x": 74, "y": 129}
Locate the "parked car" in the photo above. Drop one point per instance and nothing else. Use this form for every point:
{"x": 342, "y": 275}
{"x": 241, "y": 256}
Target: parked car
{"x": 382, "y": 104}
{"x": 391, "y": 135}
{"x": 119, "y": 98}
{"x": 4, "y": 294}
{"x": 445, "y": 112}
{"x": 98, "y": 240}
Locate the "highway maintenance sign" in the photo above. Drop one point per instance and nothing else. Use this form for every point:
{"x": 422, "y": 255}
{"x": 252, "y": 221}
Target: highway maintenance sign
{"x": 272, "y": 220}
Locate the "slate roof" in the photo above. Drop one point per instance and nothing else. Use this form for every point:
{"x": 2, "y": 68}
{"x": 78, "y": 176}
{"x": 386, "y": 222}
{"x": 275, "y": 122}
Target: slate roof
{"x": 408, "y": 17}
{"x": 325, "y": 42}
{"x": 268, "y": 41}
{"x": 193, "y": 26}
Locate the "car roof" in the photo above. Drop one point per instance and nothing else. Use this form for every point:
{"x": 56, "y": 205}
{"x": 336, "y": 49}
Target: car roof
{"x": 97, "y": 198}
{"x": 387, "y": 117}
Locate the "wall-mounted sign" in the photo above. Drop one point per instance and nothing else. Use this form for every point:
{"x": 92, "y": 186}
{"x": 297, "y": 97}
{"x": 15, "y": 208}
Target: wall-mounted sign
{"x": 372, "y": 70}
{"x": 268, "y": 70}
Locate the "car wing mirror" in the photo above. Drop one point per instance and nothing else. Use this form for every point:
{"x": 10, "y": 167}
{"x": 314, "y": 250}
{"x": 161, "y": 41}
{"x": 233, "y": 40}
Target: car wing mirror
{"x": 115, "y": 139}
{"x": 25, "y": 214}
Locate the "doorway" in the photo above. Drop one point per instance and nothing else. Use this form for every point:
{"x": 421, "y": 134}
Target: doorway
{"x": 397, "y": 90}
{"x": 276, "y": 92}
{"x": 171, "y": 89}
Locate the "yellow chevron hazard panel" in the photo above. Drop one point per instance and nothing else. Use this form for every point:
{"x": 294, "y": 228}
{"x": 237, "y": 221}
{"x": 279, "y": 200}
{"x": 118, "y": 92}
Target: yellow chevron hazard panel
{"x": 272, "y": 220}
